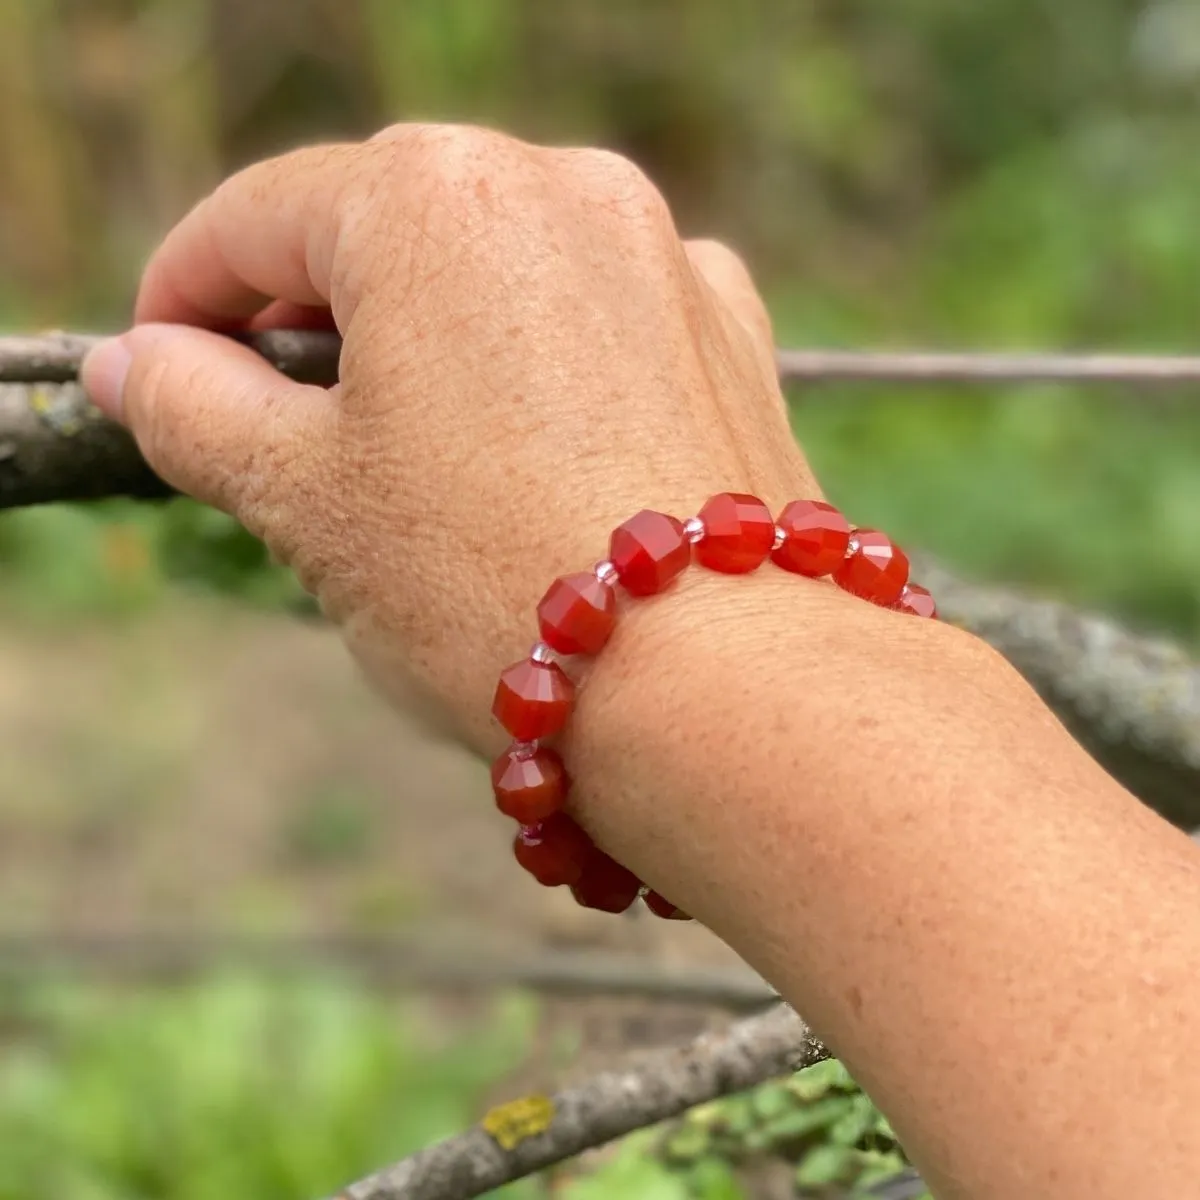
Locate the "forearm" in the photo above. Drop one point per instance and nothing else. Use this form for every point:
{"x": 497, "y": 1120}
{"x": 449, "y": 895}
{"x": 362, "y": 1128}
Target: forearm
{"x": 881, "y": 816}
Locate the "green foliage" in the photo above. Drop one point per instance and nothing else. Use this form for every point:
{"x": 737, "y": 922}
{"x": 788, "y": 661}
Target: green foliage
{"x": 233, "y": 1088}
{"x": 236, "y": 1087}
{"x": 818, "y": 1120}
{"x": 68, "y": 560}
{"x": 198, "y": 545}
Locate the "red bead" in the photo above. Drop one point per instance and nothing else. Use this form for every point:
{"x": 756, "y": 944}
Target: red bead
{"x": 660, "y": 906}
{"x": 554, "y": 851}
{"x": 876, "y": 571}
{"x": 606, "y": 885}
{"x": 529, "y": 787}
{"x": 649, "y": 550}
{"x": 577, "y": 614}
{"x": 533, "y": 699}
{"x": 815, "y": 538}
{"x": 738, "y": 533}
{"x": 916, "y": 600}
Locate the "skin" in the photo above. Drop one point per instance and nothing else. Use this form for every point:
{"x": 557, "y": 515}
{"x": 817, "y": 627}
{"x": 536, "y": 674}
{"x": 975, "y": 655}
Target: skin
{"x": 1001, "y": 942}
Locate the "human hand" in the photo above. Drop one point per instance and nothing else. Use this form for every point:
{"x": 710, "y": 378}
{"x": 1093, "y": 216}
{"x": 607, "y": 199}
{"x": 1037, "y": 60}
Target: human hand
{"x": 530, "y": 356}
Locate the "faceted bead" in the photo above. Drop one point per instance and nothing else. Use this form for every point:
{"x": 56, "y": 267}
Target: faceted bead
{"x": 529, "y": 787}
{"x": 876, "y": 571}
{"x": 533, "y": 700}
{"x": 554, "y": 851}
{"x": 917, "y": 600}
{"x": 649, "y": 550}
{"x": 738, "y": 533}
{"x": 577, "y": 614}
{"x": 606, "y": 885}
{"x": 815, "y": 538}
{"x": 662, "y": 907}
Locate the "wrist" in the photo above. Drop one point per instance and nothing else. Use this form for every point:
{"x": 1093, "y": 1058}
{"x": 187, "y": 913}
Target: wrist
{"x": 728, "y": 703}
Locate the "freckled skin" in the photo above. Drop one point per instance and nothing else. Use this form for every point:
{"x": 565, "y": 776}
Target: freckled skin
{"x": 873, "y": 809}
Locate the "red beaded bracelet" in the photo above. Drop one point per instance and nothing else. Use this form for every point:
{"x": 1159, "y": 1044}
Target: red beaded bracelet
{"x": 732, "y": 533}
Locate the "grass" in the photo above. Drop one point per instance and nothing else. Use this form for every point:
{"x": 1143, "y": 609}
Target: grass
{"x": 232, "y": 1088}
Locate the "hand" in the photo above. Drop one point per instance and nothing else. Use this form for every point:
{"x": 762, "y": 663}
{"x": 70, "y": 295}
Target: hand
{"x": 530, "y": 356}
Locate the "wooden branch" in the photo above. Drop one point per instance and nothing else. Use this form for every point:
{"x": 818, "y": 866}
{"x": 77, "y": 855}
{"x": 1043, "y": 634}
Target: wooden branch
{"x": 432, "y": 962}
{"x": 306, "y": 355}
{"x": 923, "y": 366}
{"x": 1134, "y": 702}
{"x": 55, "y": 446}
{"x": 658, "y": 1085}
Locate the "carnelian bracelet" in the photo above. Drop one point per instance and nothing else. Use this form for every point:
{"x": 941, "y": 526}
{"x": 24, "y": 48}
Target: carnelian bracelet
{"x": 734, "y": 534}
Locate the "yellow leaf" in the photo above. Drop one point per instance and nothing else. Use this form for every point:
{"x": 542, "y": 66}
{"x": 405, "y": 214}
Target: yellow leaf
{"x": 512, "y": 1123}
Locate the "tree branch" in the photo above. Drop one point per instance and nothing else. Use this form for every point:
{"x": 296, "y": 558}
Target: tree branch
{"x": 306, "y": 355}
{"x": 659, "y": 1085}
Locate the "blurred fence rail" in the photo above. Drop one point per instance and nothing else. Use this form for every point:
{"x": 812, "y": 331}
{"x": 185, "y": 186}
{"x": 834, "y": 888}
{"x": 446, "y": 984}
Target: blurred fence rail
{"x": 313, "y": 357}
{"x": 430, "y": 963}
{"x": 928, "y": 366}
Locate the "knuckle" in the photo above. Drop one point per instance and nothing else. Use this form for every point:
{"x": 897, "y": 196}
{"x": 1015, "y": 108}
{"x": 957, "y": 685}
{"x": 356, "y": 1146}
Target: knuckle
{"x": 621, "y": 185}
{"x": 448, "y": 156}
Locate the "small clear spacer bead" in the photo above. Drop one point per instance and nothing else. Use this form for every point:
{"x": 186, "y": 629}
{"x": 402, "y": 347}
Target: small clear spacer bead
{"x": 524, "y": 749}
{"x": 853, "y": 546}
{"x": 693, "y": 529}
{"x": 605, "y": 571}
{"x": 541, "y": 653}
{"x": 780, "y": 537}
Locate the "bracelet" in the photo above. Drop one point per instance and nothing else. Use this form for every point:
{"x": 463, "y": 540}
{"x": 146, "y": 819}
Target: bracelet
{"x": 733, "y": 534}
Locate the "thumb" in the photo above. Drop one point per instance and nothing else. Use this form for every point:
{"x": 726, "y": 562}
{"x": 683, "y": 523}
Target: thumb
{"x": 213, "y": 418}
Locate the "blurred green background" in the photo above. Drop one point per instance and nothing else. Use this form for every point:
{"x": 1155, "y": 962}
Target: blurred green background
{"x": 914, "y": 173}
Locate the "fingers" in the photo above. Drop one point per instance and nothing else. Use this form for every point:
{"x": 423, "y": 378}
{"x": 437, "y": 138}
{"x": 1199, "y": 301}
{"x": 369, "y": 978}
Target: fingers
{"x": 729, "y": 278}
{"x": 270, "y": 232}
{"x": 282, "y": 314}
{"x": 213, "y": 419}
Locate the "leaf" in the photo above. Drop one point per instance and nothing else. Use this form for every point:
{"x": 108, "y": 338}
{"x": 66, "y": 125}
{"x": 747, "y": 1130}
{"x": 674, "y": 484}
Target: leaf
{"x": 772, "y": 1100}
{"x": 823, "y": 1165}
{"x": 874, "y": 1168}
{"x": 630, "y": 1176}
{"x": 856, "y": 1122}
{"x": 686, "y": 1144}
{"x": 799, "y": 1122}
{"x": 713, "y": 1179}
{"x": 813, "y": 1082}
